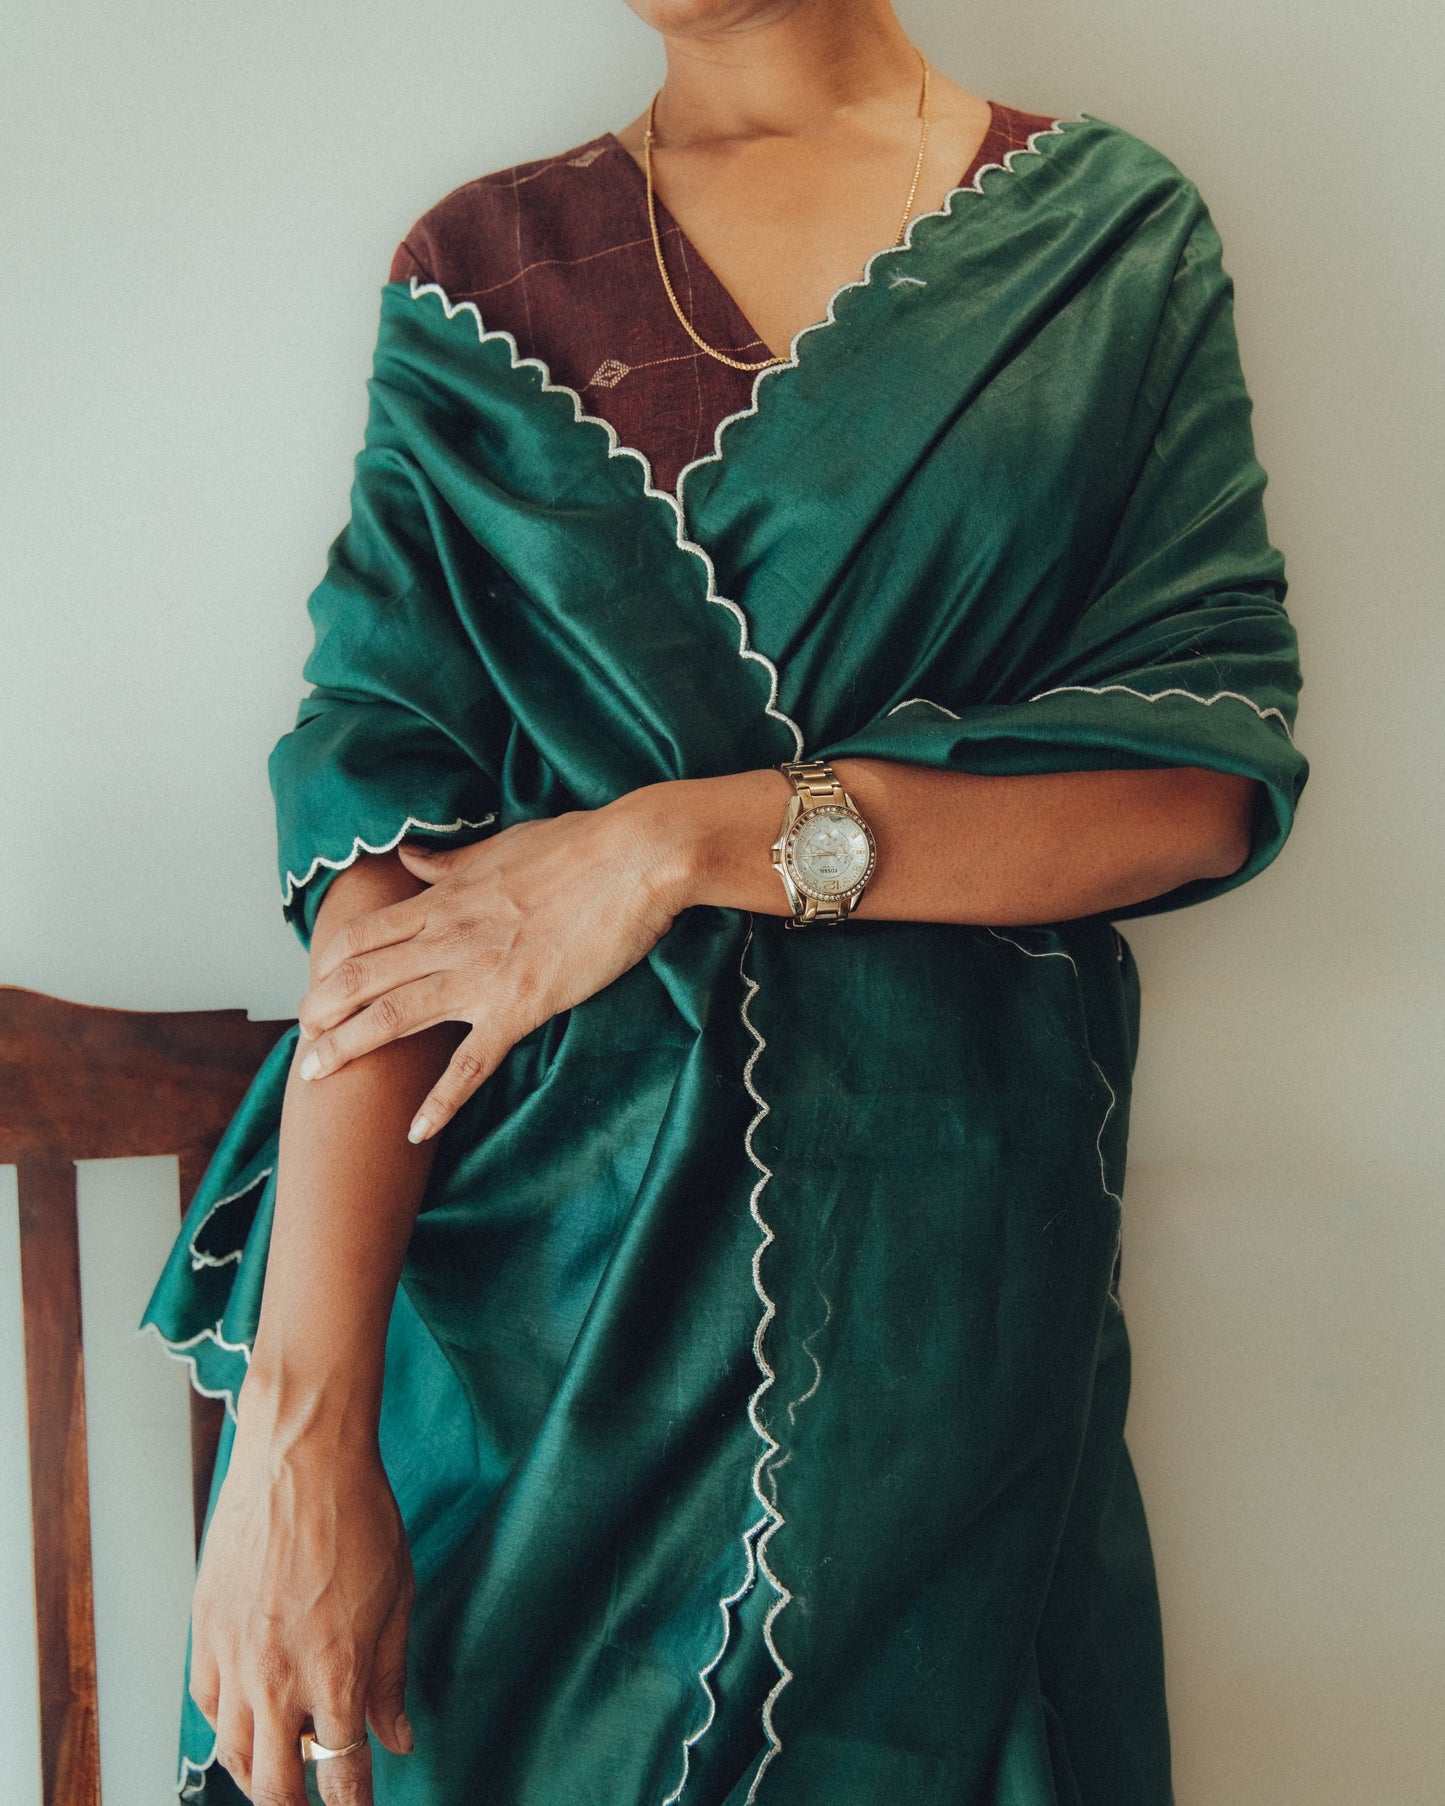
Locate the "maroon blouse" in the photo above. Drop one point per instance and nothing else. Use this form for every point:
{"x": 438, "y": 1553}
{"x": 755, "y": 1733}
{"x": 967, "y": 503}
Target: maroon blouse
{"x": 558, "y": 253}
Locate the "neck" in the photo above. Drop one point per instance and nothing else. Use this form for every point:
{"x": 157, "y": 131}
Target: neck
{"x": 786, "y": 71}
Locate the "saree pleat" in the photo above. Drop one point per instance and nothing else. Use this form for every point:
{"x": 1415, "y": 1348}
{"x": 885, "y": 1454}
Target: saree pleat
{"x": 756, "y": 1392}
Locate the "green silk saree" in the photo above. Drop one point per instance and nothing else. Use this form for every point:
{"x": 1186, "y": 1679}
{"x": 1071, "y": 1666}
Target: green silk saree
{"x": 756, "y": 1389}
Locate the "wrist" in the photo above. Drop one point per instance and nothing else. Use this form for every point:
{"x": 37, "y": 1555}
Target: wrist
{"x": 299, "y": 1407}
{"x": 710, "y": 840}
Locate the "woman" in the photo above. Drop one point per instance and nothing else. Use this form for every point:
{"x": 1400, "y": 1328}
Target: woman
{"x": 690, "y": 1362}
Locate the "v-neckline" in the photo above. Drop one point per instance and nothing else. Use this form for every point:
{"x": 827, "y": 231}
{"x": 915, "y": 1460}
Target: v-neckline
{"x": 743, "y": 328}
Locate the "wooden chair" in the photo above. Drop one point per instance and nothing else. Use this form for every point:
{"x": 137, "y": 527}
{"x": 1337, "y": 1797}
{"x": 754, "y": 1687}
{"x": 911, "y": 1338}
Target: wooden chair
{"x": 78, "y": 1083}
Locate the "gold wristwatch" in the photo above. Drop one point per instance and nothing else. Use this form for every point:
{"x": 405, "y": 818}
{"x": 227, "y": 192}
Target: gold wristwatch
{"x": 825, "y": 853}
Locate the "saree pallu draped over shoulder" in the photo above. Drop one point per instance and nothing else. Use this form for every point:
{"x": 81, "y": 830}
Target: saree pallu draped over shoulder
{"x": 756, "y": 1391}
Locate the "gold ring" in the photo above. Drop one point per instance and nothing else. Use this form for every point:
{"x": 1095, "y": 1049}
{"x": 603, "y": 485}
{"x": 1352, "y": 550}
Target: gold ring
{"x": 312, "y": 1751}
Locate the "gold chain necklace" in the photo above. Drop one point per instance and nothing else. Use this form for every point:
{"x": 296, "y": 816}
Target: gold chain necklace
{"x": 687, "y": 326}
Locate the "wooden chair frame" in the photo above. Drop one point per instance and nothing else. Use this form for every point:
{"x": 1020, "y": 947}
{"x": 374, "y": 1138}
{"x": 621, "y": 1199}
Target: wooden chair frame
{"x": 81, "y": 1083}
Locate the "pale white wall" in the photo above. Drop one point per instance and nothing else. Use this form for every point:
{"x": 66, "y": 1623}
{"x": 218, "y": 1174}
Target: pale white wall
{"x": 200, "y": 206}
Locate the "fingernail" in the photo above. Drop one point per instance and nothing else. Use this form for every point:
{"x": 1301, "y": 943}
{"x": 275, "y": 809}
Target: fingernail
{"x": 403, "y": 1734}
{"x": 311, "y": 1065}
{"x": 418, "y": 1128}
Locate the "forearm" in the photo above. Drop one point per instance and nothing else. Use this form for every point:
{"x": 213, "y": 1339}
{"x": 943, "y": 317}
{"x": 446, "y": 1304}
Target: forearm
{"x": 349, "y": 1185}
{"x": 959, "y": 847}
{"x": 545, "y": 913}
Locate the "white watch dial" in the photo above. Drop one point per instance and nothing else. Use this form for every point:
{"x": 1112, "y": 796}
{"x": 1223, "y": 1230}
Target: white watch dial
{"x": 828, "y": 852}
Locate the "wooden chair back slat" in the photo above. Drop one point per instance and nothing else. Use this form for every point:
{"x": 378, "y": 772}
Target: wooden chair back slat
{"x": 81, "y": 1083}
{"x": 55, "y": 1396}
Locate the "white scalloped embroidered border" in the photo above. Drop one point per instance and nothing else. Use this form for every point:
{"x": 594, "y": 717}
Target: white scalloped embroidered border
{"x": 360, "y": 846}
{"x": 199, "y": 1257}
{"x": 774, "y": 1519}
{"x": 725, "y": 1606}
{"x": 177, "y": 1352}
{"x": 1206, "y": 702}
{"x": 188, "y": 1788}
{"x": 754, "y": 1543}
{"x": 616, "y": 449}
{"x": 1060, "y": 953}
{"x": 924, "y": 702}
{"x": 1159, "y": 695}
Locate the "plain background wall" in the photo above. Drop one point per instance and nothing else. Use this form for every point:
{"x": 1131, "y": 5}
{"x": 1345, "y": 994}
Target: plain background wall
{"x": 200, "y": 206}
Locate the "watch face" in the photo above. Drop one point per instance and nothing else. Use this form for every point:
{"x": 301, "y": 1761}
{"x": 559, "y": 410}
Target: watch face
{"x": 829, "y": 852}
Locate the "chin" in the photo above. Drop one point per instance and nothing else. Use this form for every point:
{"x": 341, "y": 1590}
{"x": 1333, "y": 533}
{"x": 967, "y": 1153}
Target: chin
{"x": 682, "y": 18}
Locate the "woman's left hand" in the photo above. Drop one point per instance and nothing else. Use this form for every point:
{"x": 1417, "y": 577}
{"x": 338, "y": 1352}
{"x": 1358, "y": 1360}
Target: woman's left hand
{"x": 510, "y": 931}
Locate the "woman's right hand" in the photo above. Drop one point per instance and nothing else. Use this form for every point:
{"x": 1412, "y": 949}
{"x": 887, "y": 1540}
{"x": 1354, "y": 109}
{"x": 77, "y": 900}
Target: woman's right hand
{"x": 301, "y": 1604}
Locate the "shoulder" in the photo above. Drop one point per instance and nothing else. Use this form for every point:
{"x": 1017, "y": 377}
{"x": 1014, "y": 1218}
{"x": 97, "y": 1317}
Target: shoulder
{"x": 1104, "y": 175}
{"x": 491, "y": 226}
{"x": 1126, "y": 197}
{"x": 1119, "y": 164}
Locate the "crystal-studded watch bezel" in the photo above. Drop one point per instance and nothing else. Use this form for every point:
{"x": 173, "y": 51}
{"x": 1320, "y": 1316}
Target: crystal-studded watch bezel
{"x": 799, "y": 883}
